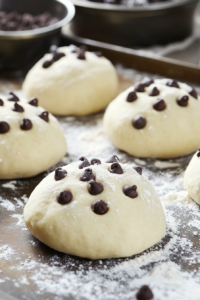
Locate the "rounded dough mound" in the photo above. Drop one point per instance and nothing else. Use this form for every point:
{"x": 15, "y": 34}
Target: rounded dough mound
{"x": 72, "y": 86}
{"x": 130, "y": 225}
{"x": 29, "y": 151}
{"x": 192, "y": 178}
{"x": 168, "y": 133}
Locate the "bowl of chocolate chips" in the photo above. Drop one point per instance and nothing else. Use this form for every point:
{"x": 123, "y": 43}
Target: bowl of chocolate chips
{"x": 28, "y": 28}
{"x": 134, "y": 23}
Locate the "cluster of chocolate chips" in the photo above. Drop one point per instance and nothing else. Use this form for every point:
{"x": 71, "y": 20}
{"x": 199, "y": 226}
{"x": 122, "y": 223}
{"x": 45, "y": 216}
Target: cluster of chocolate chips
{"x": 26, "y": 124}
{"x": 139, "y": 121}
{"x": 95, "y": 188}
{"x": 13, "y": 21}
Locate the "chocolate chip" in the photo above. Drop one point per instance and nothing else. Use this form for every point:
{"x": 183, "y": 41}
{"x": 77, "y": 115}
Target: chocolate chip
{"x": 26, "y": 124}
{"x": 98, "y": 53}
{"x": 64, "y": 197}
{"x": 113, "y": 159}
{"x": 1, "y": 102}
{"x": 47, "y": 64}
{"x": 147, "y": 82}
{"x": 95, "y": 188}
{"x": 138, "y": 169}
{"x": 18, "y": 108}
{"x": 159, "y": 105}
{"x": 182, "y": 101}
{"x": 116, "y": 168}
{"x": 4, "y": 127}
{"x": 60, "y": 173}
{"x": 87, "y": 175}
{"x": 57, "y": 56}
{"x": 193, "y": 93}
{"x": 33, "y": 102}
{"x": 95, "y": 161}
{"x": 144, "y": 293}
{"x": 154, "y": 92}
{"x": 132, "y": 96}
{"x": 85, "y": 163}
{"x": 139, "y": 87}
{"x": 173, "y": 83}
{"x": 198, "y": 153}
{"x": 13, "y": 97}
{"x": 99, "y": 207}
{"x": 130, "y": 191}
{"x": 139, "y": 122}
{"x": 53, "y": 49}
{"x": 81, "y": 54}
{"x": 44, "y": 116}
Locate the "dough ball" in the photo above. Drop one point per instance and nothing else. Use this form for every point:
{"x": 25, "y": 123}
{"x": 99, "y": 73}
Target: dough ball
{"x": 192, "y": 178}
{"x": 31, "y": 139}
{"x": 159, "y": 118}
{"x": 72, "y": 82}
{"x": 96, "y": 209}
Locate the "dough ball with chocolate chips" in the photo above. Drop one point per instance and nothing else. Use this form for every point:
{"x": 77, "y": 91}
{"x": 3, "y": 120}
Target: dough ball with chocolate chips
{"x": 31, "y": 139}
{"x": 161, "y": 121}
{"x": 79, "y": 83}
{"x": 109, "y": 214}
{"x": 192, "y": 178}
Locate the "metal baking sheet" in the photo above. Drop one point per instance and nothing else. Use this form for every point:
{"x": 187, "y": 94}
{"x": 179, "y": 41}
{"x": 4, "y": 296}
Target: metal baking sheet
{"x": 30, "y": 270}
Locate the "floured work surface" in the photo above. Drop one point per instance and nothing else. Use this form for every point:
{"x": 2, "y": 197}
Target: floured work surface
{"x": 31, "y": 270}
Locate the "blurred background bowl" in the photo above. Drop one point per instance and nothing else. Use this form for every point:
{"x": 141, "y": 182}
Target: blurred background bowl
{"x": 153, "y": 24}
{"x": 20, "y": 50}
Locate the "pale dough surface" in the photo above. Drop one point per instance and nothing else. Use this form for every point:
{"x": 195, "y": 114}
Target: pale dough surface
{"x": 169, "y": 133}
{"x": 129, "y": 227}
{"x": 192, "y": 178}
{"x": 28, "y": 153}
{"x": 73, "y": 86}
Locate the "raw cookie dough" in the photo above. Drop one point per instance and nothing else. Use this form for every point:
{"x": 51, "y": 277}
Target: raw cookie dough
{"x": 70, "y": 81}
{"x": 31, "y": 139}
{"x": 159, "y": 118}
{"x": 96, "y": 210}
{"x": 192, "y": 178}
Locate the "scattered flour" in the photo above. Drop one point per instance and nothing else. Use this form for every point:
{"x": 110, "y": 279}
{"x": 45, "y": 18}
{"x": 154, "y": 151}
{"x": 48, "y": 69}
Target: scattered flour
{"x": 10, "y": 185}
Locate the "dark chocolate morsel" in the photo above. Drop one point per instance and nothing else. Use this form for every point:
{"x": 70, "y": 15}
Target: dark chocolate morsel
{"x": 53, "y": 49}
{"x": 18, "y": 108}
{"x": 13, "y": 97}
{"x": 99, "y": 207}
{"x": 26, "y": 124}
{"x": 64, "y": 197}
{"x": 87, "y": 175}
{"x": 159, "y": 105}
{"x": 139, "y": 87}
{"x": 132, "y": 96}
{"x": 95, "y": 161}
{"x": 95, "y": 188}
{"x": 113, "y": 159}
{"x": 173, "y": 83}
{"x": 1, "y": 102}
{"x": 57, "y": 56}
{"x": 85, "y": 163}
{"x": 139, "y": 122}
{"x": 115, "y": 168}
{"x": 60, "y": 173}
{"x": 44, "y": 116}
{"x": 130, "y": 191}
{"x": 47, "y": 64}
{"x": 98, "y": 53}
{"x": 144, "y": 293}
{"x": 138, "y": 169}
{"x": 198, "y": 153}
{"x": 33, "y": 102}
{"x": 147, "y": 82}
{"x": 182, "y": 101}
{"x": 81, "y": 54}
{"x": 193, "y": 93}
{"x": 4, "y": 127}
{"x": 154, "y": 92}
